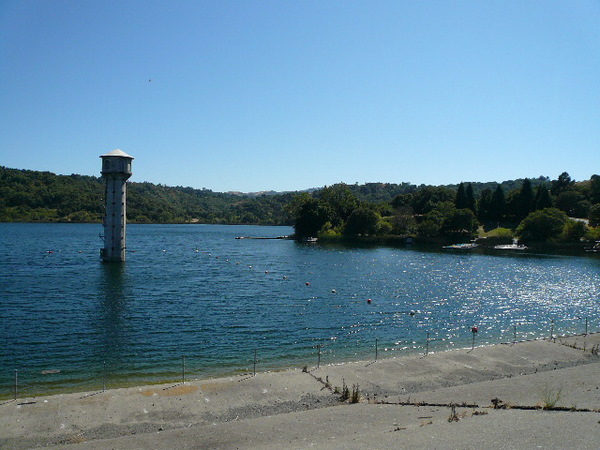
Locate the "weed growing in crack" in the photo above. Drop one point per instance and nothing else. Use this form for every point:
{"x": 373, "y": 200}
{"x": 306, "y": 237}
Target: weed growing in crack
{"x": 453, "y": 416}
{"x": 355, "y": 394}
{"x": 345, "y": 394}
{"x": 550, "y": 396}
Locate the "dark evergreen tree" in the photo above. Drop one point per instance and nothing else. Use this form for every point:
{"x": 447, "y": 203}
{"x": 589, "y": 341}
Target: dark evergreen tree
{"x": 595, "y": 189}
{"x": 573, "y": 203}
{"x": 498, "y": 204}
{"x": 311, "y": 215}
{"x": 470, "y": 197}
{"x": 542, "y": 198}
{"x": 562, "y": 184}
{"x": 461, "y": 197}
{"x": 525, "y": 201}
{"x": 484, "y": 205}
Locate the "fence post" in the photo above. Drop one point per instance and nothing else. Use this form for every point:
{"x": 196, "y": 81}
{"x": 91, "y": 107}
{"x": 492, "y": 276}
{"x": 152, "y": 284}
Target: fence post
{"x": 551, "y": 329}
{"x": 586, "y": 326}
{"x": 376, "y": 345}
{"x": 318, "y": 356}
{"x": 16, "y": 384}
{"x": 254, "y": 369}
{"x": 104, "y": 376}
{"x": 514, "y": 334}
{"x": 427, "y": 345}
{"x": 183, "y": 370}
{"x": 474, "y": 331}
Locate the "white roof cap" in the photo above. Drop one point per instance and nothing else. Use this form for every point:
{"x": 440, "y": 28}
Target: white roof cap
{"x": 117, "y": 152}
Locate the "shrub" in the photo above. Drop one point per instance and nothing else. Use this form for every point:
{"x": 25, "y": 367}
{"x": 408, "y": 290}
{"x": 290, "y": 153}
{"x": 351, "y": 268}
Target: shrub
{"x": 542, "y": 225}
{"x": 574, "y": 230}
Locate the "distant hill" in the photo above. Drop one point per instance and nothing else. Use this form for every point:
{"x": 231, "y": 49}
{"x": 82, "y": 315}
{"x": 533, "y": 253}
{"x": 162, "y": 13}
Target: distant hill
{"x": 33, "y": 196}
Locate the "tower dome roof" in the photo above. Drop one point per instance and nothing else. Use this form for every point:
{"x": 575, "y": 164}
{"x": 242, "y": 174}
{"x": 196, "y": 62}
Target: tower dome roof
{"x": 117, "y": 152}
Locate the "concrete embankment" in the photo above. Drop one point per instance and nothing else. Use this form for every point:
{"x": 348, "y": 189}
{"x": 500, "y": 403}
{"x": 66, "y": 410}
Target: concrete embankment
{"x": 537, "y": 393}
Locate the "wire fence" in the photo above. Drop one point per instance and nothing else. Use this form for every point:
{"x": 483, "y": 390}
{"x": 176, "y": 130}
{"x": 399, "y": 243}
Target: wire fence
{"x": 313, "y": 353}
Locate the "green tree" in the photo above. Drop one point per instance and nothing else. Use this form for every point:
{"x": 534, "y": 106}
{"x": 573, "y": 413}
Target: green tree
{"x": 461, "y": 197}
{"x": 561, "y": 184}
{"x": 484, "y": 205}
{"x": 311, "y": 215}
{"x": 594, "y": 215}
{"x": 574, "y": 230}
{"x": 460, "y": 222}
{"x": 525, "y": 200}
{"x": 542, "y": 197}
{"x": 595, "y": 189}
{"x": 498, "y": 204}
{"x": 427, "y": 198}
{"x": 470, "y": 197}
{"x": 429, "y": 228}
{"x": 341, "y": 202}
{"x": 363, "y": 221}
{"x": 430, "y": 225}
{"x": 402, "y": 201}
{"x": 446, "y": 220}
{"x": 573, "y": 203}
{"x": 404, "y": 222}
{"x": 542, "y": 225}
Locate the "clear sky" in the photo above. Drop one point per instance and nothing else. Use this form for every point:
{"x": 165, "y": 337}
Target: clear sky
{"x": 286, "y": 95}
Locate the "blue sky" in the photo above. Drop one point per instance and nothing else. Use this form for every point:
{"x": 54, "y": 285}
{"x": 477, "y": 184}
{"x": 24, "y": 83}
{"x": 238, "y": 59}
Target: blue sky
{"x": 286, "y": 95}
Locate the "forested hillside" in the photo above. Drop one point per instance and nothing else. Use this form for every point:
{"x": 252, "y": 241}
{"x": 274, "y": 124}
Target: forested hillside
{"x": 539, "y": 210}
{"x": 526, "y": 208}
{"x": 31, "y": 196}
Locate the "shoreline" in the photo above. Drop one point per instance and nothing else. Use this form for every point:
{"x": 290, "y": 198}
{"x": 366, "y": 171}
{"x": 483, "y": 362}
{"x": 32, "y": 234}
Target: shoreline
{"x": 119, "y": 381}
{"x": 222, "y": 412}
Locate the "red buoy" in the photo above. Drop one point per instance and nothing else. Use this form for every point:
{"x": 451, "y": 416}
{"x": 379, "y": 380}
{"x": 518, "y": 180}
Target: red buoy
{"x": 369, "y": 301}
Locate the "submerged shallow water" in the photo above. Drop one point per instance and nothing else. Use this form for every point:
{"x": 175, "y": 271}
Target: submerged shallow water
{"x": 70, "y": 322}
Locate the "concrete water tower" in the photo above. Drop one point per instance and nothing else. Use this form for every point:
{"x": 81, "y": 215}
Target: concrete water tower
{"x": 116, "y": 169}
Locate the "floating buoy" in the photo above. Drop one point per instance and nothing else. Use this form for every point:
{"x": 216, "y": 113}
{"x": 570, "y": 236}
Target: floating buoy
{"x": 474, "y": 330}
{"x": 266, "y": 271}
{"x": 412, "y": 313}
{"x": 49, "y": 251}
{"x": 284, "y": 277}
{"x": 307, "y": 283}
{"x": 369, "y": 301}
{"x": 333, "y": 291}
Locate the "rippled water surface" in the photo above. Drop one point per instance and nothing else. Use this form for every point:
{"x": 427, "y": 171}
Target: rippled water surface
{"x": 69, "y": 322}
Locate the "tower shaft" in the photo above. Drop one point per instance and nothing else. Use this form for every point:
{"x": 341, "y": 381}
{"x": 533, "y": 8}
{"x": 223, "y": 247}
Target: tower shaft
{"x": 115, "y": 220}
{"x": 116, "y": 169}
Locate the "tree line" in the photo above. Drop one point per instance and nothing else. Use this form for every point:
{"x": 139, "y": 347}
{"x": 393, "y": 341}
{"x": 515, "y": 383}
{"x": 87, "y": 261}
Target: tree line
{"x": 532, "y": 209}
{"x": 538, "y": 210}
{"x": 33, "y": 196}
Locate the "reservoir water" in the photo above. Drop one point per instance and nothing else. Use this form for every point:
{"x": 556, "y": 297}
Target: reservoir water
{"x": 193, "y": 300}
